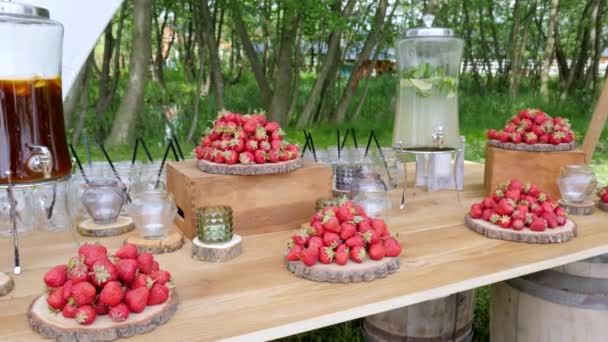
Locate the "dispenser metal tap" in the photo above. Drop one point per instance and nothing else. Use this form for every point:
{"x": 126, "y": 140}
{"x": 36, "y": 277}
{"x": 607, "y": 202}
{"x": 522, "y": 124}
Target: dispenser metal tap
{"x": 41, "y": 160}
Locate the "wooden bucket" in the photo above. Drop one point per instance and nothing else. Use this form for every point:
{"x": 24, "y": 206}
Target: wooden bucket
{"x": 445, "y": 319}
{"x": 569, "y": 303}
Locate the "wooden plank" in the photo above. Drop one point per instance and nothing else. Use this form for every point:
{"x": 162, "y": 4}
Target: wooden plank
{"x": 253, "y": 297}
{"x": 596, "y": 125}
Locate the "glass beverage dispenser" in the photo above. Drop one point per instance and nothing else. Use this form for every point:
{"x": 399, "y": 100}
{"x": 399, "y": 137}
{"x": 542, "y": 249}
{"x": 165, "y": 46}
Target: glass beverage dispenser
{"x": 426, "y": 118}
{"x": 33, "y": 144}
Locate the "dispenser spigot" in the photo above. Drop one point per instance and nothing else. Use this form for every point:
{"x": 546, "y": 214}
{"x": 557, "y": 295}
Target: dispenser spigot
{"x": 41, "y": 160}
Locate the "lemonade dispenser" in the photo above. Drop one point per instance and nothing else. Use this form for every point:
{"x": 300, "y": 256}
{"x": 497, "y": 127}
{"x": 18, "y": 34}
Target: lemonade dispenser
{"x": 428, "y": 61}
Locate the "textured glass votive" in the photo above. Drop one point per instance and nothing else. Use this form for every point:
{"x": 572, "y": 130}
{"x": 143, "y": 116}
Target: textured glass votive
{"x": 214, "y": 224}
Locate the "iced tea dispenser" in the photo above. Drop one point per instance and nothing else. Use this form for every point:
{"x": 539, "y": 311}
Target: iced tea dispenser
{"x": 33, "y": 144}
{"x": 428, "y": 61}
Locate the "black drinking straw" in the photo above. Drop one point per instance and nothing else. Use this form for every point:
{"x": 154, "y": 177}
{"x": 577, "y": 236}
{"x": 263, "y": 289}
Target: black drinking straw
{"x": 162, "y": 164}
{"x": 306, "y": 145}
{"x": 143, "y": 144}
{"x": 124, "y": 187}
{"x": 84, "y": 176}
{"x": 312, "y": 145}
{"x": 388, "y": 174}
{"x": 179, "y": 148}
{"x": 354, "y": 138}
{"x": 345, "y": 137}
{"x": 338, "y": 142}
{"x": 369, "y": 142}
{"x": 173, "y": 150}
{"x": 135, "y": 152}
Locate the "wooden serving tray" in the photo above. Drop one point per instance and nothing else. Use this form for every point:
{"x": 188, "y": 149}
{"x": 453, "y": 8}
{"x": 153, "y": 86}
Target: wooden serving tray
{"x": 556, "y": 235}
{"x": 533, "y": 148}
{"x": 250, "y": 170}
{"x": 55, "y": 326}
{"x": 352, "y": 272}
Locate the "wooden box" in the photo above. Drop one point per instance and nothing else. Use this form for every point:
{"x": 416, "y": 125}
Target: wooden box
{"x": 261, "y": 204}
{"x": 540, "y": 168}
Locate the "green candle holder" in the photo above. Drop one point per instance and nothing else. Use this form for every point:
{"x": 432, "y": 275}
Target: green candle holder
{"x": 327, "y": 202}
{"x": 214, "y": 224}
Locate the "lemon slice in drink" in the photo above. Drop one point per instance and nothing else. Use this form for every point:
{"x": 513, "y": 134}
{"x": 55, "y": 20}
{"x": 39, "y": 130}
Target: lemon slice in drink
{"x": 421, "y": 84}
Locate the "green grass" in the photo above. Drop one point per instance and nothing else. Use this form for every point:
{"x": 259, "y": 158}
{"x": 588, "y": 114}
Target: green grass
{"x": 479, "y": 110}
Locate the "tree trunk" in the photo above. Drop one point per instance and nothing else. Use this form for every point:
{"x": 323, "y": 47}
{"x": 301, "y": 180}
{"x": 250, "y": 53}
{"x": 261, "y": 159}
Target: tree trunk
{"x": 83, "y": 101}
{"x": 519, "y": 48}
{"x": 256, "y": 66}
{"x": 333, "y": 48}
{"x": 71, "y": 100}
{"x": 370, "y": 42}
{"x": 497, "y": 52}
{"x": 212, "y": 46}
{"x": 577, "y": 67}
{"x": 279, "y": 106}
{"x": 548, "y": 54}
{"x": 132, "y": 102}
{"x": 469, "y": 43}
{"x": 160, "y": 33}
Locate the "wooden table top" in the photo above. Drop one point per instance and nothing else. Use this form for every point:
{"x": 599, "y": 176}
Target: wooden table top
{"x": 254, "y": 297}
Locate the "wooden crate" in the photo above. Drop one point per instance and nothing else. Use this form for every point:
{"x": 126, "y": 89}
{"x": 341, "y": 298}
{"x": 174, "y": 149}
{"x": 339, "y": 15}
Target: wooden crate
{"x": 540, "y": 168}
{"x": 261, "y": 204}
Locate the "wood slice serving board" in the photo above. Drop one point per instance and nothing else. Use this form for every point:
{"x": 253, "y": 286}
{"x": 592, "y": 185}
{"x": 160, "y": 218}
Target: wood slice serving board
{"x": 6, "y": 284}
{"x": 250, "y": 170}
{"x": 352, "y": 272}
{"x": 122, "y": 225}
{"x": 557, "y": 235}
{"x": 533, "y": 148}
{"x": 55, "y": 326}
{"x": 602, "y": 205}
{"x": 170, "y": 244}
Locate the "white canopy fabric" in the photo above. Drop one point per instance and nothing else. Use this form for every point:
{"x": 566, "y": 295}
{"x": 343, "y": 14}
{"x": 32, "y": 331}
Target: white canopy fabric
{"x": 83, "y": 22}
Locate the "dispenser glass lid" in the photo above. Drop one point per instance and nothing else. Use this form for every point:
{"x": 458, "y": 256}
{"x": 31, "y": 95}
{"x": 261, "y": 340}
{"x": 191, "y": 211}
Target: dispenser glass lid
{"x": 428, "y": 30}
{"x": 23, "y": 10}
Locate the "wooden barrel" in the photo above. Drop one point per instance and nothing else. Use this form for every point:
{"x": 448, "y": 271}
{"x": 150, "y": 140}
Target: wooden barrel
{"x": 569, "y": 303}
{"x": 445, "y": 319}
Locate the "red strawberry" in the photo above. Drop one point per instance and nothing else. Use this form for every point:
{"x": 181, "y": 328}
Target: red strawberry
{"x": 536, "y": 209}
{"x": 556, "y": 138}
{"x": 513, "y": 194}
{"x": 260, "y": 134}
{"x": 544, "y": 139}
{"x": 265, "y": 146}
{"x": 561, "y": 220}
{"x": 246, "y": 158}
{"x": 83, "y": 293}
{"x": 486, "y": 214}
{"x": 392, "y": 247}
{"x": 127, "y": 251}
{"x": 274, "y": 155}
{"x": 498, "y": 195}
{"x": 364, "y": 226}
{"x": 347, "y": 230}
{"x": 568, "y": 138}
{"x": 326, "y": 255}
{"x": 345, "y": 213}
{"x": 547, "y": 207}
{"x": 206, "y": 141}
{"x": 520, "y": 212}
{"x": 276, "y": 145}
{"x": 300, "y": 237}
{"x": 540, "y": 118}
{"x": 69, "y": 311}
{"x": 488, "y": 203}
{"x": 530, "y": 138}
{"x": 341, "y": 247}
{"x": 89, "y": 248}
{"x": 516, "y": 138}
{"x": 218, "y": 156}
{"x": 126, "y": 269}
{"x": 317, "y": 228}
{"x": 503, "y": 137}
{"x": 315, "y": 241}
{"x": 538, "y": 130}
{"x": 542, "y": 197}
{"x": 278, "y": 135}
{"x": 101, "y": 309}
{"x": 294, "y": 252}
{"x": 111, "y": 294}
{"x": 476, "y": 211}
{"x": 530, "y": 200}
{"x": 516, "y": 120}
{"x": 260, "y": 157}
{"x": 85, "y": 315}
{"x": 145, "y": 262}
{"x": 103, "y": 271}
{"x": 159, "y": 294}
{"x": 137, "y": 299}
{"x": 292, "y": 148}
{"x": 119, "y": 313}
{"x": 237, "y": 145}
{"x": 156, "y": 266}
{"x": 250, "y": 126}
{"x": 272, "y": 127}
{"x": 251, "y": 145}
{"x": 260, "y": 118}
{"x": 355, "y": 241}
{"x": 505, "y": 221}
{"x": 539, "y": 224}
{"x": 377, "y": 251}
{"x": 358, "y": 254}
{"x": 331, "y": 224}
{"x": 560, "y": 212}
{"x": 491, "y": 134}
{"x": 77, "y": 271}
{"x": 309, "y": 256}
{"x": 494, "y": 218}
{"x": 518, "y": 224}
{"x": 141, "y": 280}
{"x": 515, "y": 185}
{"x": 67, "y": 290}
{"x": 331, "y": 239}
{"x": 231, "y": 157}
{"x": 531, "y": 190}
{"x": 505, "y": 206}
{"x": 285, "y": 156}
{"x": 510, "y": 128}
{"x": 341, "y": 257}
{"x": 379, "y": 225}
{"x": 551, "y": 219}
{"x": 56, "y": 276}
{"x": 55, "y": 299}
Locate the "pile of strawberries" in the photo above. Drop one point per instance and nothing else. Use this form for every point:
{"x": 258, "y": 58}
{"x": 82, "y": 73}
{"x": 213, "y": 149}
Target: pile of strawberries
{"x": 603, "y": 194}
{"x": 245, "y": 139}
{"x": 337, "y": 234}
{"x": 95, "y": 283}
{"x": 517, "y": 206}
{"x": 533, "y": 126}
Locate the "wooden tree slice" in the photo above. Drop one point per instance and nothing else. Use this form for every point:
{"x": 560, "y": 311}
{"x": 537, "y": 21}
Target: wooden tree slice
{"x": 557, "y": 235}
{"x": 603, "y": 205}
{"x": 352, "y": 272}
{"x": 533, "y": 148}
{"x": 123, "y": 224}
{"x": 171, "y": 243}
{"x": 55, "y": 326}
{"x": 217, "y": 252}
{"x": 250, "y": 170}
{"x": 6, "y": 284}
{"x": 577, "y": 209}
